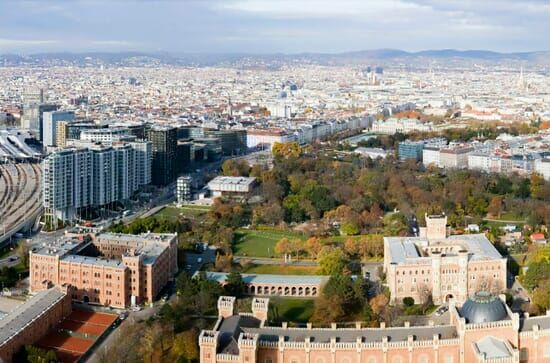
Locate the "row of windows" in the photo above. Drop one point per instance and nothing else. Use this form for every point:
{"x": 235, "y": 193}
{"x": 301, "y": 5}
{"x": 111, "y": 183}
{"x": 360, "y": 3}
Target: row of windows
{"x": 422, "y": 359}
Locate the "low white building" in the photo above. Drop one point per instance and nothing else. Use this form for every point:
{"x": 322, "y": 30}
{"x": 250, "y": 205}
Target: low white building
{"x": 430, "y": 156}
{"x": 394, "y": 125}
{"x": 268, "y": 137}
{"x": 231, "y": 186}
{"x": 542, "y": 166}
{"x": 371, "y": 152}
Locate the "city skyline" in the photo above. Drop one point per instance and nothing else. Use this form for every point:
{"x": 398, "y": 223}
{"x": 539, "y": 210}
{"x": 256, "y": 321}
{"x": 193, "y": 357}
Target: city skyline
{"x": 255, "y": 26}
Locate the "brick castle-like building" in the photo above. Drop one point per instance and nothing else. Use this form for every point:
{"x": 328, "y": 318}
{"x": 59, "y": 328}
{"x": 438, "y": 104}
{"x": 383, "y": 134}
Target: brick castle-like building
{"x": 442, "y": 266}
{"x": 482, "y": 330}
{"x": 108, "y": 269}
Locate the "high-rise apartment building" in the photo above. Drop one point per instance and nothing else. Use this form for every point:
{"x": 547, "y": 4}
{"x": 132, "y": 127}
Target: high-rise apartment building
{"x": 164, "y": 143}
{"x": 183, "y": 189}
{"x": 92, "y": 176}
{"x": 50, "y": 121}
{"x": 31, "y": 102}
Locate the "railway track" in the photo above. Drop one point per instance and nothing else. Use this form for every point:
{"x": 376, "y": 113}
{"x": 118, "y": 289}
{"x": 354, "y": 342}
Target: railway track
{"x": 21, "y": 193}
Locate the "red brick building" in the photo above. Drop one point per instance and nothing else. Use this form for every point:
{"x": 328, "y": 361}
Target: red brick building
{"x": 31, "y": 320}
{"x": 483, "y": 330}
{"x": 106, "y": 268}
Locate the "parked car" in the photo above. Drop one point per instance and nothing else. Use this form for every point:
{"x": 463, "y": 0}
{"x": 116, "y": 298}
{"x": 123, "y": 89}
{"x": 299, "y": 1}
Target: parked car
{"x": 441, "y": 310}
{"x": 123, "y": 315}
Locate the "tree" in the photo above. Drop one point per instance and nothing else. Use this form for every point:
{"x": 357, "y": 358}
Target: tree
{"x": 295, "y": 211}
{"x": 234, "y": 285}
{"x": 541, "y": 295}
{"x": 286, "y": 150}
{"x": 350, "y": 229}
{"x": 313, "y": 246}
{"x": 408, "y": 301}
{"x": 37, "y": 355}
{"x": 331, "y": 261}
{"x": 269, "y": 213}
{"x": 185, "y": 346}
{"x": 282, "y": 247}
{"x": 495, "y": 206}
{"x": 235, "y": 167}
{"x": 379, "y": 303}
{"x": 536, "y": 273}
{"x": 536, "y": 183}
{"x": 23, "y": 253}
{"x": 395, "y": 224}
{"x": 223, "y": 262}
{"x": 340, "y": 299}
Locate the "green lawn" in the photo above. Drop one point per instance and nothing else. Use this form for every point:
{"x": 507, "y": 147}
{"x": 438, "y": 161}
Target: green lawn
{"x": 259, "y": 243}
{"x": 291, "y": 310}
{"x": 281, "y": 270}
{"x": 191, "y": 211}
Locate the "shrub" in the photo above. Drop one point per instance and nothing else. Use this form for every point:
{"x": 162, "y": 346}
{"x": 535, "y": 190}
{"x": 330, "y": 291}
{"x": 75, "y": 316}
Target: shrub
{"x": 408, "y": 301}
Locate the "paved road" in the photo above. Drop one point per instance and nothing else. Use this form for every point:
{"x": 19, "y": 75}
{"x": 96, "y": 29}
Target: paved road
{"x": 503, "y": 221}
{"x": 520, "y": 296}
{"x": 10, "y": 261}
{"x": 192, "y": 263}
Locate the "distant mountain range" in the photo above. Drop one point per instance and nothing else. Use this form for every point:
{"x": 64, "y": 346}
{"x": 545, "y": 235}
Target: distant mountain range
{"x": 205, "y": 59}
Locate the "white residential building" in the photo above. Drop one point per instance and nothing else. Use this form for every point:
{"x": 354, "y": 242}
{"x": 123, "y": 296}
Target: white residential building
{"x": 542, "y": 166}
{"x": 92, "y": 176}
{"x": 396, "y": 125}
{"x": 267, "y": 137}
{"x": 104, "y": 135}
{"x": 431, "y": 156}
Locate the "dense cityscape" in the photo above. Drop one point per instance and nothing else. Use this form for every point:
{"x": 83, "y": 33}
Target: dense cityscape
{"x": 378, "y": 206}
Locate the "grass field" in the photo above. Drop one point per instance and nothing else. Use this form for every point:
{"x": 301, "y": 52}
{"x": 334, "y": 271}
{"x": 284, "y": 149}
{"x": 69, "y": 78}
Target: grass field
{"x": 281, "y": 270}
{"x": 259, "y": 243}
{"x": 291, "y": 310}
{"x": 190, "y": 211}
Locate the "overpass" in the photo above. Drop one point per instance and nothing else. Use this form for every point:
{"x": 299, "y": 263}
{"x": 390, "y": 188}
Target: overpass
{"x": 26, "y": 224}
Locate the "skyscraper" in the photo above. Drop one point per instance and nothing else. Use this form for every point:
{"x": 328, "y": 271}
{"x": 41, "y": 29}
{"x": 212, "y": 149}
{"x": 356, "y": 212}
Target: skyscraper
{"x": 31, "y": 101}
{"x": 164, "y": 145}
{"x": 50, "y": 121}
{"x": 93, "y": 175}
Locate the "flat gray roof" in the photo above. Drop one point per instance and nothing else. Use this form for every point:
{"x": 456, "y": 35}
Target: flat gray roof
{"x": 271, "y": 279}
{"x": 493, "y": 347}
{"x": 542, "y": 321}
{"x": 94, "y": 261}
{"x": 351, "y": 335}
{"x": 478, "y": 246}
{"x": 23, "y": 315}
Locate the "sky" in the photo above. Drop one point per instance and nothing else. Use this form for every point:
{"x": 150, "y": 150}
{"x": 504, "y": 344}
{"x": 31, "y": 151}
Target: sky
{"x": 272, "y": 26}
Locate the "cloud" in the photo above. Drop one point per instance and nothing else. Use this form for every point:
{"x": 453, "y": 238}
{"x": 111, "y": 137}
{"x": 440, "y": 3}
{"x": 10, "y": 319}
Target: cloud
{"x": 113, "y": 43}
{"x": 22, "y": 43}
{"x": 268, "y": 26}
{"x": 319, "y": 8}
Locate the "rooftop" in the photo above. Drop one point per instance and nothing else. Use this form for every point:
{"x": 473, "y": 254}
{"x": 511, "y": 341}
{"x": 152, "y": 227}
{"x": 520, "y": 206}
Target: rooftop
{"x": 236, "y": 180}
{"x": 483, "y": 307}
{"x": 404, "y": 248}
{"x": 14, "y": 322}
{"x": 271, "y": 279}
{"x": 492, "y": 347}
